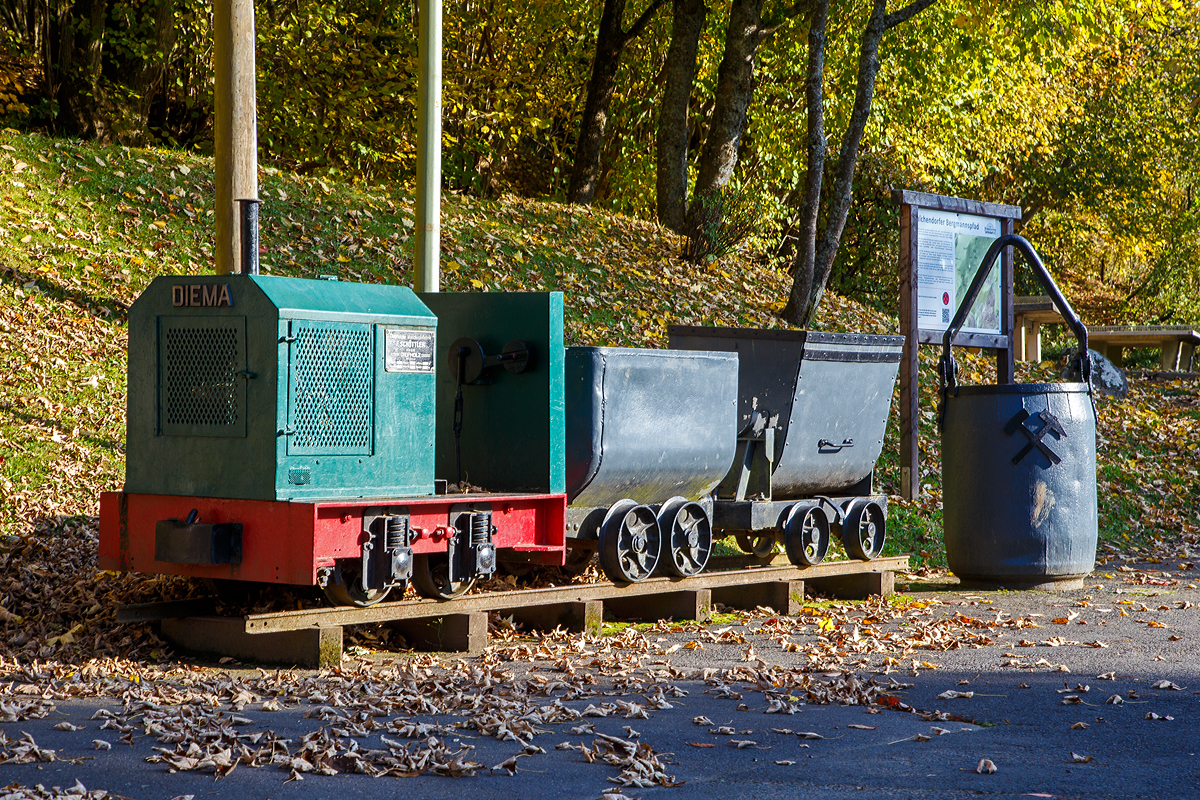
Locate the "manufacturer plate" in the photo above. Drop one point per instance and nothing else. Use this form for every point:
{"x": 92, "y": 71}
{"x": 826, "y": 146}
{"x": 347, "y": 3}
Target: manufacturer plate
{"x": 407, "y": 350}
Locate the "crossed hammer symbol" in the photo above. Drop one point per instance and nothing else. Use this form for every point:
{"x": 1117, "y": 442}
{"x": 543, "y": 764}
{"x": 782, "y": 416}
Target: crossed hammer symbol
{"x": 1050, "y": 424}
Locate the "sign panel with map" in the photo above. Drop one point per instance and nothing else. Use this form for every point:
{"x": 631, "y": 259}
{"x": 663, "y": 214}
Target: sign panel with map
{"x": 942, "y": 243}
{"x": 950, "y": 248}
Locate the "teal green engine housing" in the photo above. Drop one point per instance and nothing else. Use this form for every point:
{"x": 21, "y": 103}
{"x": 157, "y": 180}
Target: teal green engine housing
{"x": 265, "y": 388}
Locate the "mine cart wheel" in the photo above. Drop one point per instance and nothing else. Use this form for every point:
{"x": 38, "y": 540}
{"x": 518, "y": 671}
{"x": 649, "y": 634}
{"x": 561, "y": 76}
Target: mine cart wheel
{"x": 865, "y": 530}
{"x": 350, "y": 592}
{"x": 431, "y": 577}
{"x": 761, "y": 545}
{"x": 629, "y": 542}
{"x": 806, "y": 535}
{"x": 686, "y": 533}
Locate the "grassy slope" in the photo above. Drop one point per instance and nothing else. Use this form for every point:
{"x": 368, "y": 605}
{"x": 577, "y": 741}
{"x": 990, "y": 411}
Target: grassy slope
{"x": 83, "y": 228}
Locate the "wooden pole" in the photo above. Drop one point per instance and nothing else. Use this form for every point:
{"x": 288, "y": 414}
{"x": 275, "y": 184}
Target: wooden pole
{"x": 426, "y": 274}
{"x": 910, "y": 394}
{"x": 236, "y": 134}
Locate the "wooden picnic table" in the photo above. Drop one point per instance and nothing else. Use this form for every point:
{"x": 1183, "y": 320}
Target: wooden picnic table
{"x": 1178, "y": 343}
{"x": 1029, "y": 315}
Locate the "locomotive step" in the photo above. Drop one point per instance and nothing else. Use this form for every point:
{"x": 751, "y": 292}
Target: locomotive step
{"x": 313, "y": 637}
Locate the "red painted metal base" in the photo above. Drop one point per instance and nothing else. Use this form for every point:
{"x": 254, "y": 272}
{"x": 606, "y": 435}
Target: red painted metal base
{"x": 287, "y": 542}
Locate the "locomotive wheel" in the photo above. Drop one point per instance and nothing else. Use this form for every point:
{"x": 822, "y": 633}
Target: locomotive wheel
{"x": 806, "y": 535}
{"x": 761, "y": 545}
{"x": 686, "y": 534}
{"x": 518, "y": 569}
{"x": 629, "y": 542}
{"x": 431, "y": 577}
{"x": 865, "y": 530}
{"x": 350, "y": 592}
{"x": 578, "y": 560}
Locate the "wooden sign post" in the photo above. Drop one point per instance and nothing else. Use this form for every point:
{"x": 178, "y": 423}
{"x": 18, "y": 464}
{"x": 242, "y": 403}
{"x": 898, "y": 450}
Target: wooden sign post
{"x": 942, "y": 242}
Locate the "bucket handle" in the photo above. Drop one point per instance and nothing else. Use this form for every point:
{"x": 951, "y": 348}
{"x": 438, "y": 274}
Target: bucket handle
{"x": 948, "y": 369}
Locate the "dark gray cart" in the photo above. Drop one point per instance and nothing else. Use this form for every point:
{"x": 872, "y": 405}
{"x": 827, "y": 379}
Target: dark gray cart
{"x": 812, "y": 410}
{"x": 650, "y": 434}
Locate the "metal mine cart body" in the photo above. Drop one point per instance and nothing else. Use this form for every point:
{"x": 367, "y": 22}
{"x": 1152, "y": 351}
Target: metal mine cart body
{"x": 812, "y": 410}
{"x": 360, "y": 436}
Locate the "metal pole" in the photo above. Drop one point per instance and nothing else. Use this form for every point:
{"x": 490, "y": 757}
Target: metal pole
{"x": 236, "y": 135}
{"x": 249, "y": 235}
{"x": 426, "y": 274}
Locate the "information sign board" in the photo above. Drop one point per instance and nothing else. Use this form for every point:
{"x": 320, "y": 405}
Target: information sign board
{"x": 942, "y": 243}
{"x": 949, "y": 249}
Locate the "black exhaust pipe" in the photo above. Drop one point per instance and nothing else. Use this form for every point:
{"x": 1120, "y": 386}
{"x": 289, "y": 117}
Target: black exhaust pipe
{"x": 249, "y": 221}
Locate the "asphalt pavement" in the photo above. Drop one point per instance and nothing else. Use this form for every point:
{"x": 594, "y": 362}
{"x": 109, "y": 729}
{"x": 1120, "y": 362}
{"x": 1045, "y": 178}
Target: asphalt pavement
{"x": 1087, "y": 694}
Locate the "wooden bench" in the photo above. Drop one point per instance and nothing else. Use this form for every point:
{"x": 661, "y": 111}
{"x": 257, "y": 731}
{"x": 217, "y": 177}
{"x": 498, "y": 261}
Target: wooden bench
{"x": 1177, "y": 342}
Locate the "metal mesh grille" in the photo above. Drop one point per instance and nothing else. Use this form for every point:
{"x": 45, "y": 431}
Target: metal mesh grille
{"x": 200, "y": 376}
{"x": 332, "y": 389}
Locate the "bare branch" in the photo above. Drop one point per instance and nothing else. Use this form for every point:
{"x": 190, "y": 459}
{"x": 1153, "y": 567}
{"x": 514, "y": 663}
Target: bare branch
{"x": 802, "y": 7}
{"x": 639, "y": 25}
{"x": 906, "y": 13}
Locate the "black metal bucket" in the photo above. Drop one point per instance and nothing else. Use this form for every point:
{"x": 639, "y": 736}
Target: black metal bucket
{"x": 1019, "y": 466}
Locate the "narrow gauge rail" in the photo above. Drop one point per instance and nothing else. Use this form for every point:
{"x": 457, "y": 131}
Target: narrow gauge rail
{"x": 313, "y": 637}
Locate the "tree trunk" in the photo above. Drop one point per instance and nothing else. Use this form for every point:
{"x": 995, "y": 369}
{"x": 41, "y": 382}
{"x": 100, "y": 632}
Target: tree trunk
{"x": 71, "y": 68}
{"x": 735, "y": 89}
{"x": 151, "y": 74}
{"x": 610, "y": 42}
{"x": 810, "y": 208}
{"x": 672, "y": 141}
{"x": 811, "y": 276}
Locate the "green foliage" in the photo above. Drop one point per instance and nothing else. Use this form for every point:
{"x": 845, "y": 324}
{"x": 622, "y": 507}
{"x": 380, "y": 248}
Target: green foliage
{"x": 337, "y": 86}
{"x": 1081, "y": 112}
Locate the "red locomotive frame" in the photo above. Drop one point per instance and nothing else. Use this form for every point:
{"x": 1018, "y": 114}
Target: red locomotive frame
{"x": 288, "y": 542}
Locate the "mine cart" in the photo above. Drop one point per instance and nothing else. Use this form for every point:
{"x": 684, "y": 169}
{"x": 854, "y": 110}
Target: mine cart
{"x": 812, "y": 409}
{"x": 650, "y": 434}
